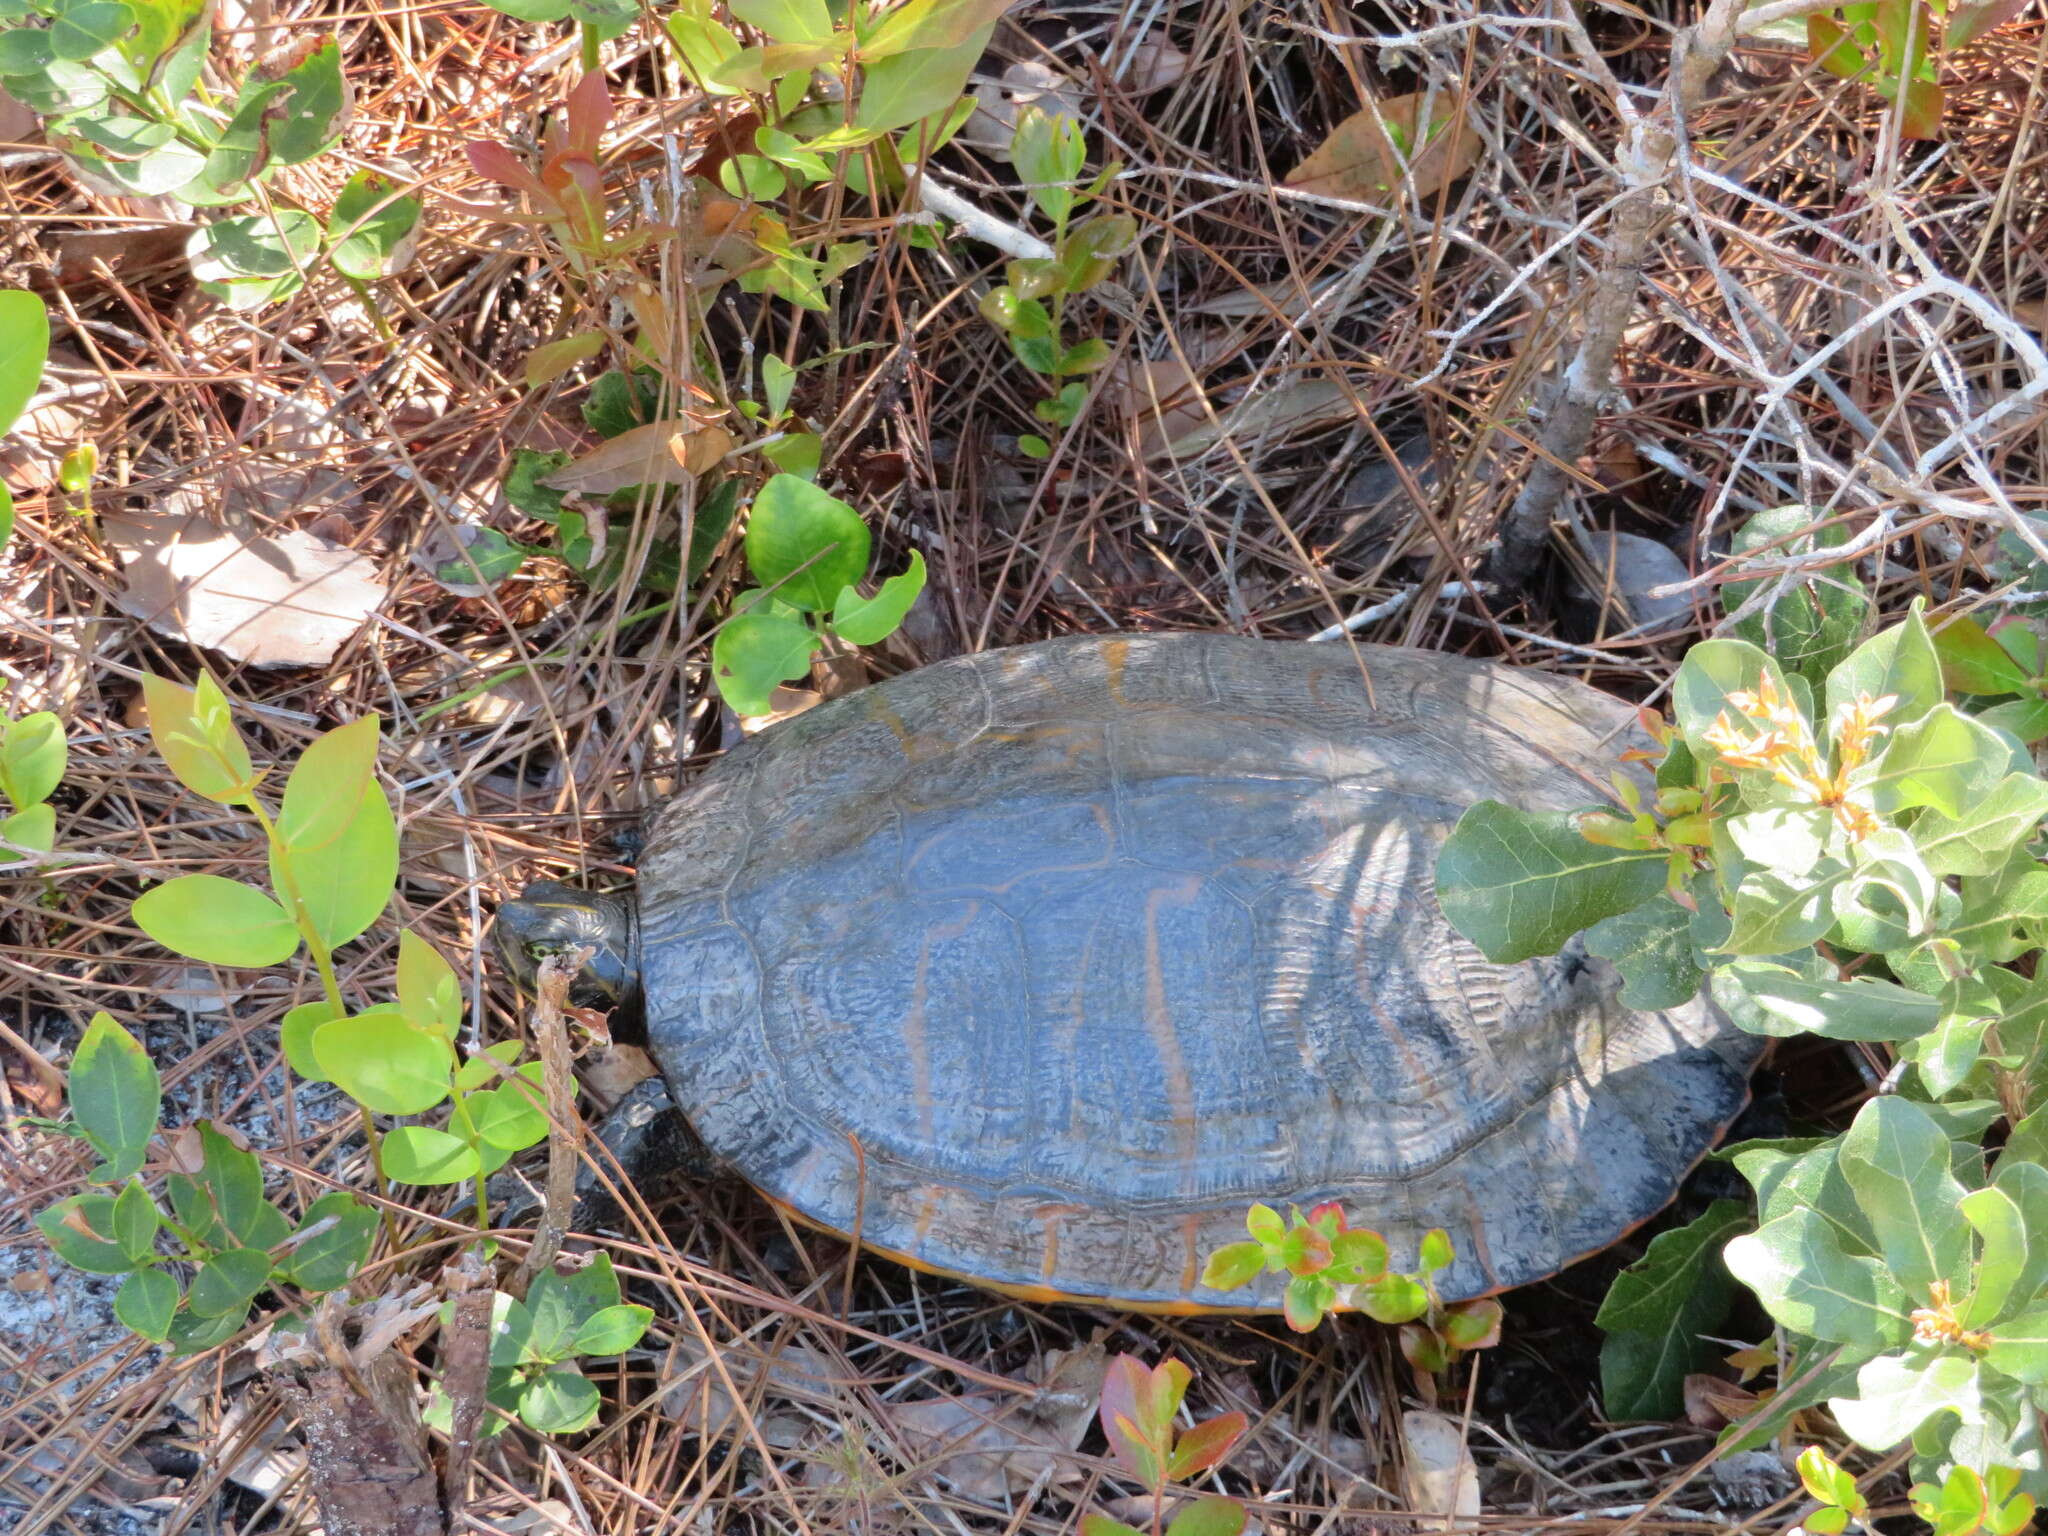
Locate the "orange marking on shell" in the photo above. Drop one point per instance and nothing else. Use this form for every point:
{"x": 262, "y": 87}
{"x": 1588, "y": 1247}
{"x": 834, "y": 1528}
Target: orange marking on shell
{"x": 1180, "y": 1087}
{"x": 1475, "y": 1222}
{"x": 1191, "y": 1234}
{"x": 1114, "y": 654}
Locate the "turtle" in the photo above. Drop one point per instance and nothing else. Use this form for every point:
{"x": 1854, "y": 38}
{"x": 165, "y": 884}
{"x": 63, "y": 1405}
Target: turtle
{"x": 1040, "y": 966}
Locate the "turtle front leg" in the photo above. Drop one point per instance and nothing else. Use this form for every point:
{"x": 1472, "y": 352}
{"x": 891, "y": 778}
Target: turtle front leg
{"x": 648, "y": 1139}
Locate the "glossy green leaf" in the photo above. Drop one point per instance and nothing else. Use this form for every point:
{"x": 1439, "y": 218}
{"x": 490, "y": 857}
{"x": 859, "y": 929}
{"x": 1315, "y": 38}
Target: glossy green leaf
{"x": 613, "y": 1330}
{"x": 869, "y": 620}
{"x": 1897, "y": 1160}
{"x": 511, "y": 1116}
{"x": 344, "y": 885}
{"x": 805, "y": 544}
{"x": 134, "y": 1222}
{"x": 704, "y": 43}
{"x": 61, "y": 88}
{"x": 560, "y": 1401}
{"x": 1810, "y": 627}
{"x": 1899, "y": 662}
{"x": 325, "y": 789}
{"x": 146, "y": 1302}
{"x": 34, "y": 828}
{"x": 242, "y": 149}
{"x": 1811, "y": 1285}
{"x": 115, "y": 1097}
{"x": 295, "y": 1034}
{"x": 910, "y": 87}
{"x": 223, "y": 1204}
{"x": 1944, "y": 759}
{"x": 1652, "y": 948}
{"x": 777, "y": 380}
{"x": 1973, "y": 662}
{"x": 1519, "y": 885}
{"x": 786, "y": 21}
{"x": 373, "y": 228}
{"x": 929, "y": 24}
{"x": 1049, "y": 152}
{"x": 80, "y": 1229}
{"x": 191, "y": 1333}
{"x": 342, "y": 1229}
{"x": 1233, "y": 1266}
{"x": 221, "y": 922}
{"x": 169, "y": 39}
{"x": 752, "y": 653}
{"x": 1980, "y": 837}
{"x": 419, "y": 1154}
{"x": 194, "y": 732}
{"x": 23, "y": 51}
{"x": 385, "y": 1062}
{"x": 429, "y": 992}
{"x": 560, "y": 1304}
{"x": 1392, "y": 1299}
{"x": 1668, "y": 1301}
{"x": 1895, "y": 1394}
{"x": 795, "y": 453}
{"x": 1768, "y": 999}
{"x": 316, "y": 108}
{"x": 32, "y": 758}
{"x": 227, "y": 1282}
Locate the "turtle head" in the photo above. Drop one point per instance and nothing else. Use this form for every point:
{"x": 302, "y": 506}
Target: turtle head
{"x": 549, "y": 918}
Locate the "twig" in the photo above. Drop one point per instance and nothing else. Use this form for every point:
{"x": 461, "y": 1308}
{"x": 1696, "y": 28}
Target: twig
{"x": 551, "y": 1039}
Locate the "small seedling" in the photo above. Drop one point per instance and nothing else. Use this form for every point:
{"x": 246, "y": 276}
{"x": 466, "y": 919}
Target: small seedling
{"x": 1964, "y": 1503}
{"x": 1030, "y": 308}
{"x": 536, "y": 1343}
{"x": 1841, "y": 1501}
{"x": 1139, "y": 1409}
{"x": 807, "y": 550}
{"x": 234, "y": 1242}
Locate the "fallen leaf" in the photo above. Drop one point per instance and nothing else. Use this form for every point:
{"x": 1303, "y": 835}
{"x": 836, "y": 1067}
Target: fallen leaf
{"x": 1163, "y": 396}
{"x": 194, "y": 990}
{"x": 131, "y": 254}
{"x": 988, "y": 1445}
{"x": 270, "y": 600}
{"x": 2032, "y": 313}
{"x": 1359, "y": 160}
{"x": 1276, "y": 411}
{"x": 550, "y": 360}
{"x": 783, "y": 703}
{"x": 1629, "y": 567}
{"x": 999, "y": 104}
{"x": 700, "y": 451}
{"x": 455, "y": 555}
{"x": 1155, "y": 64}
{"x": 1440, "y": 1476}
{"x": 1711, "y": 1403}
{"x": 615, "y": 1071}
{"x": 641, "y": 456}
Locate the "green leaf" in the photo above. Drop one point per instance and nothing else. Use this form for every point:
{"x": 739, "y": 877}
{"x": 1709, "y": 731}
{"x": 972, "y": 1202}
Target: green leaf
{"x": 613, "y": 1331}
{"x": 1665, "y": 1302}
{"x": 511, "y": 1116}
{"x": 385, "y": 1062}
{"x": 23, "y": 351}
{"x": 704, "y": 43}
{"x": 168, "y": 44}
{"x": 115, "y": 1097}
{"x": 560, "y": 1401}
{"x": 371, "y": 231}
{"x": 523, "y": 486}
{"x": 1232, "y": 1266}
{"x": 316, "y": 109}
{"x": 2019, "y": 1347}
{"x": 910, "y": 87}
{"x": 1519, "y": 884}
{"x": 869, "y": 620}
{"x": 80, "y": 1228}
{"x": 35, "y": 827}
{"x": 329, "y": 1259}
{"x": 326, "y": 785}
{"x": 1981, "y": 836}
{"x": 134, "y": 1222}
{"x": 223, "y": 1203}
{"x": 145, "y": 1303}
{"x": 1810, "y": 627}
{"x": 1768, "y": 999}
{"x": 419, "y": 1154}
{"x": 1210, "y": 1516}
{"x": 227, "y": 1282}
{"x": 295, "y": 1033}
{"x": 1049, "y": 152}
{"x": 2026, "y": 719}
{"x": 344, "y": 885}
{"x": 804, "y": 543}
{"x": 254, "y": 259}
{"x": 2018, "y": 1269}
{"x": 786, "y": 21}
{"x": 752, "y": 653}
{"x": 80, "y": 29}
{"x": 63, "y": 87}
{"x": 1775, "y": 914}
{"x": 1895, "y": 1394}
{"x": 1811, "y": 1285}
{"x": 32, "y": 758}
{"x": 1898, "y": 1162}
{"x": 1944, "y": 759}
{"x": 221, "y": 922}
{"x": 191, "y": 1333}
{"x": 1973, "y": 662}
{"x": 561, "y": 1304}
{"x": 1392, "y": 1299}
{"x": 194, "y": 732}
{"x": 1103, "y": 1525}
{"x": 1901, "y": 661}
{"x": 428, "y": 991}
{"x": 242, "y": 149}
{"x": 23, "y": 51}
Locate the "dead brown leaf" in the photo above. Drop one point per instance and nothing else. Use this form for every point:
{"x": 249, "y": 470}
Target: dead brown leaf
{"x": 765, "y": 1376}
{"x": 1711, "y": 1403}
{"x": 1304, "y": 403}
{"x": 988, "y": 1445}
{"x": 1163, "y": 396}
{"x": 1441, "y": 1478}
{"x": 643, "y": 456}
{"x": 1359, "y": 160}
{"x": 143, "y": 253}
{"x": 615, "y": 1071}
{"x": 271, "y": 600}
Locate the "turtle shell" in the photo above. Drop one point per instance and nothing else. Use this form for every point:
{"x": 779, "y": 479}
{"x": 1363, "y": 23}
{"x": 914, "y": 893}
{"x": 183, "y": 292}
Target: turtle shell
{"x": 1040, "y": 966}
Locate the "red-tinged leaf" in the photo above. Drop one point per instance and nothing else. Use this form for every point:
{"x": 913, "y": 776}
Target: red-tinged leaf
{"x": 1306, "y": 1300}
{"x": 1122, "y": 1385}
{"x": 1305, "y": 1252}
{"x": 1968, "y": 22}
{"x": 1166, "y": 1387}
{"x": 1127, "y": 1441}
{"x": 1473, "y": 1324}
{"x": 495, "y": 162}
{"x": 1832, "y": 47}
{"x": 589, "y": 113}
{"x": 1921, "y": 118}
{"x": 1205, "y": 1446}
{"x": 1102, "y": 1525}
{"x": 1327, "y": 1218}
{"x": 1265, "y": 1225}
{"x": 1233, "y": 1265}
{"x": 1423, "y": 1349}
{"x": 1209, "y": 1517}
